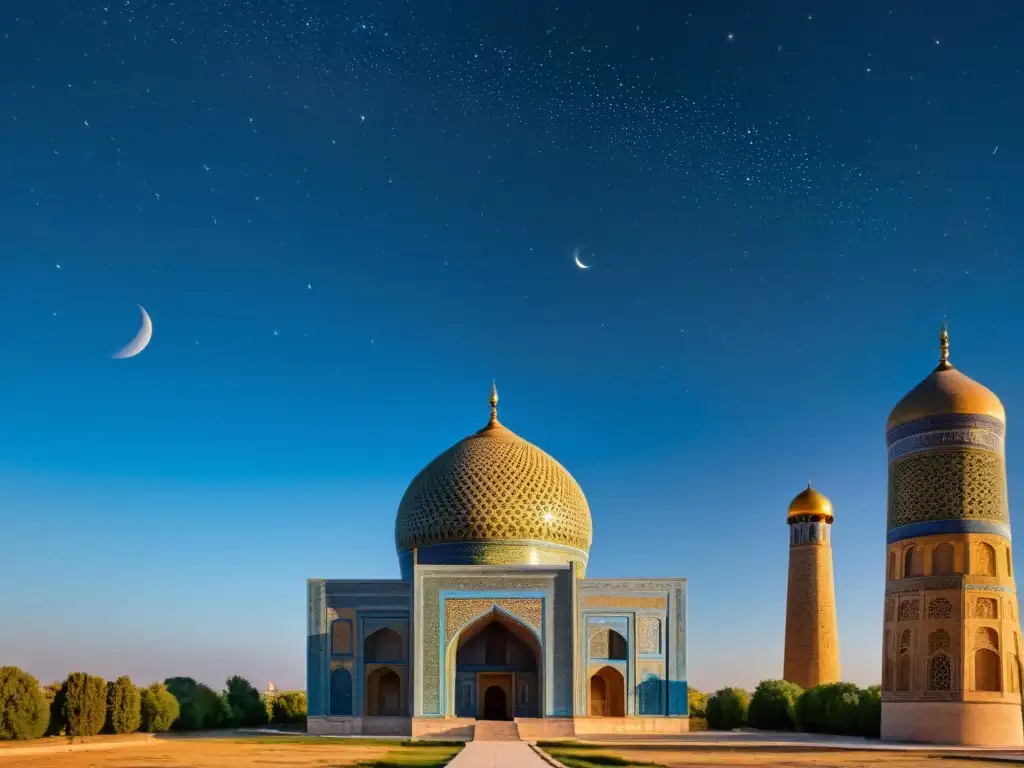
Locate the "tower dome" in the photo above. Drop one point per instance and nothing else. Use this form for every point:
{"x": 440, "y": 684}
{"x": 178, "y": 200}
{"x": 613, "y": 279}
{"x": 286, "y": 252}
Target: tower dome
{"x": 946, "y": 391}
{"x": 810, "y": 502}
{"x": 493, "y": 499}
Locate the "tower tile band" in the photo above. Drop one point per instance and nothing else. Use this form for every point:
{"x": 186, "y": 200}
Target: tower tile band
{"x": 951, "y": 643}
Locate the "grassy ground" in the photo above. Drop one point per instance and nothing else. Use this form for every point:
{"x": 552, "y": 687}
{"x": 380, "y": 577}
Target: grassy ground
{"x": 581, "y": 756}
{"x": 245, "y": 752}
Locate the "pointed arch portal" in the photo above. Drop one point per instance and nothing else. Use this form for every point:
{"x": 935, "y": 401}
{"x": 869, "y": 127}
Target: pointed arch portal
{"x": 495, "y": 669}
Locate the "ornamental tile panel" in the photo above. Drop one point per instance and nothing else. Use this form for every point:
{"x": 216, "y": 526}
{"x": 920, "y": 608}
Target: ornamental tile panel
{"x": 648, "y": 634}
{"x": 458, "y": 612}
{"x": 942, "y": 485}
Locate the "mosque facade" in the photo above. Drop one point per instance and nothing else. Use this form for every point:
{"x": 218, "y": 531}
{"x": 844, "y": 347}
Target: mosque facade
{"x": 493, "y": 618}
{"x": 951, "y": 655}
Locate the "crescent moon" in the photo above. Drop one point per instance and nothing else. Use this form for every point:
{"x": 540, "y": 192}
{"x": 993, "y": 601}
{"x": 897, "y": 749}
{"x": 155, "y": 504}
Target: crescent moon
{"x": 576, "y": 258}
{"x": 141, "y": 340}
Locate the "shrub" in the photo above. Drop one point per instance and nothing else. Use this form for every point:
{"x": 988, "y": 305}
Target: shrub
{"x": 85, "y": 704}
{"x": 243, "y": 702}
{"x": 830, "y": 708}
{"x": 697, "y": 702}
{"x": 124, "y": 706}
{"x": 727, "y": 709}
{"x": 773, "y": 705}
{"x": 24, "y": 713}
{"x": 289, "y": 707}
{"x": 159, "y": 708}
{"x": 869, "y": 712}
{"x": 201, "y": 706}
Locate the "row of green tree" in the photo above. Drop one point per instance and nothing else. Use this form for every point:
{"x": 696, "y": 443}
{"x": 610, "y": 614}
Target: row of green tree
{"x": 843, "y": 709}
{"x": 85, "y": 705}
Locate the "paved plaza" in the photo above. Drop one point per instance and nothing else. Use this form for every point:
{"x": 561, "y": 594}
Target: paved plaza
{"x": 498, "y": 754}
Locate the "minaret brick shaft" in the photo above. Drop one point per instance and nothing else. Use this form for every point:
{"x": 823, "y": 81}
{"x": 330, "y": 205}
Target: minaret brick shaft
{"x": 812, "y": 641}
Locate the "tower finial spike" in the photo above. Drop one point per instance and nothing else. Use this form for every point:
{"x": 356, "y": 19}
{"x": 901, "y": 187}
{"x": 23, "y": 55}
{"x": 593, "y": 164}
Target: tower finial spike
{"x": 808, "y": 483}
{"x": 944, "y": 345}
{"x": 494, "y": 402}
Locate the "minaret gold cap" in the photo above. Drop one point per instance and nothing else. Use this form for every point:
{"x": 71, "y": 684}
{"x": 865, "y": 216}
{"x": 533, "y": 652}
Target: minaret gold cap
{"x": 945, "y": 391}
{"x": 810, "y": 502}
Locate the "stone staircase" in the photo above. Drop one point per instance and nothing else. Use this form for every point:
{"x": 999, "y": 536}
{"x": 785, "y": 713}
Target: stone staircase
{"x": 496, "y": 730}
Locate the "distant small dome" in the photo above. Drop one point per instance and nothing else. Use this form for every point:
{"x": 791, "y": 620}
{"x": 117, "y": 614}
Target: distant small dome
{"x": 946, "y": 391}
{"x": 810, "y": 502}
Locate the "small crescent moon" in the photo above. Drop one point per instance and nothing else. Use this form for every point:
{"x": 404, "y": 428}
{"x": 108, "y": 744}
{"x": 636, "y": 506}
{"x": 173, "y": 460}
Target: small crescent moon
{"x": 141, "y": 340}
{"x": 576, "y": 258}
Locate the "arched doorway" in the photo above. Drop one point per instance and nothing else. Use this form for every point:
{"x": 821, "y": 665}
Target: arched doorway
{"x": 494, "y": 671}
{"x": 607, "y": 693}
{"x": 495, "y": 703}
{"x": 384, "y": 693}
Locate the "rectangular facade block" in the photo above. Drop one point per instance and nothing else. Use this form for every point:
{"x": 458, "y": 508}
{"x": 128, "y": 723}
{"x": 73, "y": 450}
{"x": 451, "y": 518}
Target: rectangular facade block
{"x": 415, "y": 657}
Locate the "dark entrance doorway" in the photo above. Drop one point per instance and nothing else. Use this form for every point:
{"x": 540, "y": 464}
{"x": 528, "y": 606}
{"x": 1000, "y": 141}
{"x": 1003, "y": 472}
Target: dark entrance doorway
{"x": 495, "y": 704}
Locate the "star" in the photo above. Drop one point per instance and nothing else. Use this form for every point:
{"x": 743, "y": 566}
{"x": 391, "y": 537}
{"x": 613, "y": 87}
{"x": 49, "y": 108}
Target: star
{"x": 730, "y": 36}
{"x": 58, "y": 266}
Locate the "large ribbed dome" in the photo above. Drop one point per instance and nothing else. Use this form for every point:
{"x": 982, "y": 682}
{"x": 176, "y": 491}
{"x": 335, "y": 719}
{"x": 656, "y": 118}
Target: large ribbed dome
{"x": 493, "y": 486}
{"x": 946, "y": 391}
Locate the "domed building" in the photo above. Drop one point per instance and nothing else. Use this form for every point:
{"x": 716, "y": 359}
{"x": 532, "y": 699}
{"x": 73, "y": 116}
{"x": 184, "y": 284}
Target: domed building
{"x": 493, "y": 618}
{"x": 951, "y": 668}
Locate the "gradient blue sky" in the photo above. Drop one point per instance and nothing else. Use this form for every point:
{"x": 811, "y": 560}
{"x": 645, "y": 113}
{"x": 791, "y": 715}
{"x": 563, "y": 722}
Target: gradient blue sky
{"x": 346, "y": 218}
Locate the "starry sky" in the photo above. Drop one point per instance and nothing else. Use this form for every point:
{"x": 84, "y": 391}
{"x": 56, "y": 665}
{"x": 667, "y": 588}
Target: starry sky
{"x": 346, "y": 217}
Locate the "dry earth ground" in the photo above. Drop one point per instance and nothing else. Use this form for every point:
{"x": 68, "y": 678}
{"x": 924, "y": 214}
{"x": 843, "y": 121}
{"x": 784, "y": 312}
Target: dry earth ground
{"x": 790, "y": 757}
{"x": 241, "y": 753}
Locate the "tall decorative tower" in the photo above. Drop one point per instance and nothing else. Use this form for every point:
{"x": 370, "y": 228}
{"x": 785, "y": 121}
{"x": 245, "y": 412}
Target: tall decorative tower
{"x": 812, "y": 642}
{"x": 951, "y": 654}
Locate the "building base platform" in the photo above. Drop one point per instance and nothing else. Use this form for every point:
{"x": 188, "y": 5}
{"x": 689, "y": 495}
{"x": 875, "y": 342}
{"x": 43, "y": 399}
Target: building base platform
{"x": 967, "y": 723}
{"x": 463, "y": 728}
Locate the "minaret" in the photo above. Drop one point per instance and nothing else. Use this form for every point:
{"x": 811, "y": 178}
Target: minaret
{"x": 951, "y": 669}
{"x": 812, "y": 642}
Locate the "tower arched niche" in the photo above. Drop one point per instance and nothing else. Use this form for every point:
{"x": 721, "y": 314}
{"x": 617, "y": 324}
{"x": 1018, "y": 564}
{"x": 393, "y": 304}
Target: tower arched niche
{"x": 517, "y": 628}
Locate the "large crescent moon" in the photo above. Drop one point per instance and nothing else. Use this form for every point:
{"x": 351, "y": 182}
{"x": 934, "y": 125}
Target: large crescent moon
{"x": 576, "y": 258}
{"x": 141, "y": 340}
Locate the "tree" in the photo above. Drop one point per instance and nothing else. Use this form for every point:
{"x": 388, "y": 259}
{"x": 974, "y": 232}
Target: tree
{"x": 24, "y": 713}
{"x": 773, "y": 705}
{"x": 124, "y": 706}
{"x": 289, "y": 707}
{"x": 243, "y": 703}
{"x": 829, "y": 708}
{"x": 159, "y": 708}
{"x": 697, "y": 701}
{"x": 201, "y": 706}
{"x": 869, "y": 712}
{"x": 727, "y": 709}
{"x": 85, "y": 704}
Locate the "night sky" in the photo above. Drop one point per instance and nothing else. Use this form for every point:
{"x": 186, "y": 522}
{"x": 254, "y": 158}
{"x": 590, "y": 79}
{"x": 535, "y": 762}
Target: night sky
{"x": 346, "y": 218}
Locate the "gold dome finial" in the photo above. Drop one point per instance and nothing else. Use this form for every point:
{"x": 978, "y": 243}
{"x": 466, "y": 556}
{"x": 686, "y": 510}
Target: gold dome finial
{"x": 944, "y": 348}
{"x": 494, "y": 402}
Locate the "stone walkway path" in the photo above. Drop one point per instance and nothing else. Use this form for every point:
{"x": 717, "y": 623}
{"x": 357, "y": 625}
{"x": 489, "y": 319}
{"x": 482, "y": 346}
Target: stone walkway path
{"x": 497, "y": 754}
